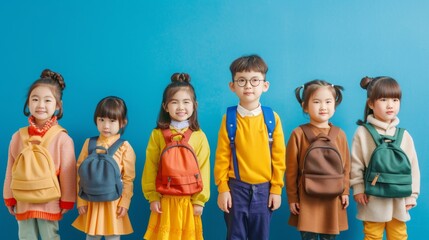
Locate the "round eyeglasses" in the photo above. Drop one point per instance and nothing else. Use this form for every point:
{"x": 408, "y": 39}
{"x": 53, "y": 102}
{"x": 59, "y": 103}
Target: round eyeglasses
{"x": 241, "y": 82}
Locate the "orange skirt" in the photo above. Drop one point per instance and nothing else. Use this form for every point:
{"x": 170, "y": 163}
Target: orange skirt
{"x": 177, "y": 221}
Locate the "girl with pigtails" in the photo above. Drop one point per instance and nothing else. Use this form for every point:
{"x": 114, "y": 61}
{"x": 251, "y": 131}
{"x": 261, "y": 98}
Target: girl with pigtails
{"x": 314, "y": 216}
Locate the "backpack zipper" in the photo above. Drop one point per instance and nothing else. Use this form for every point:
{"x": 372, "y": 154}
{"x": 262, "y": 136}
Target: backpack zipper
{"x": 374, "y": 181}
{"x": 169, "y": 181}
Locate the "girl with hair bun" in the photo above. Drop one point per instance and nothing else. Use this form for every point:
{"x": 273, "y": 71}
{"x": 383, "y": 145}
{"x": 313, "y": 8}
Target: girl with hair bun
{"x": 44, "y": 107}
{"x": 176, "y": 216}
{"x": 381, "y": 214}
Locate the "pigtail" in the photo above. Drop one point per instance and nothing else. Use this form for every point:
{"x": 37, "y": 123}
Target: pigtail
{"x": 338, "y": 93}
{"x": 298, "y": 94}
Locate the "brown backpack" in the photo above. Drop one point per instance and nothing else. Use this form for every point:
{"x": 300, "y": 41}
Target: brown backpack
{"x": 178, "y": 169}
{"x": 323, "y": 170}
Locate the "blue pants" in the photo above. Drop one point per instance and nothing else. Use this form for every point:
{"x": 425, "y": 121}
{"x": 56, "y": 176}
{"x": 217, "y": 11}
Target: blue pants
{"x": 249, "y": 217}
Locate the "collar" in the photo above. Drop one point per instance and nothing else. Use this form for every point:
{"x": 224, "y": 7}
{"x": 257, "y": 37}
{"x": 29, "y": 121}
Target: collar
{"x": 249, "y": 113}
{"x": 179, "y": 125}
{"x": 382, "y": 125}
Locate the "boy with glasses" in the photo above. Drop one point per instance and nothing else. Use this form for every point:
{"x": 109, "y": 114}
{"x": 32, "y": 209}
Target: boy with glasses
{"x": 249, "y": 169}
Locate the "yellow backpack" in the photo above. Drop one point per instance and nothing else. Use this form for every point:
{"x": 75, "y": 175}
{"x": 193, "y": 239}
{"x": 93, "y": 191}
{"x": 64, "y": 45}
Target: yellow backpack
{"x": 34, "y": 177}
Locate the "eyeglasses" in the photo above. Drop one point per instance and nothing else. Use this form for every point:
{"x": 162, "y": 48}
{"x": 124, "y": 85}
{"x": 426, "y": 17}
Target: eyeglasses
{"x": 241, "y": 82}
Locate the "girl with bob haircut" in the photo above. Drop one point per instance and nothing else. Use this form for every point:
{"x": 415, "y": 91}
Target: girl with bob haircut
{"x": 109, "y": 218}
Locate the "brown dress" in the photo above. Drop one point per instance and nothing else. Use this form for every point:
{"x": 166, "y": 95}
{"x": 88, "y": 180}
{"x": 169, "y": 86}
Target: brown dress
{"x": 318, "y": 215}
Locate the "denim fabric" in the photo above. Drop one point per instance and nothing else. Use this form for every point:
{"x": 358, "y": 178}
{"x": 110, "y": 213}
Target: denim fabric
{"x": 249, "y": 217}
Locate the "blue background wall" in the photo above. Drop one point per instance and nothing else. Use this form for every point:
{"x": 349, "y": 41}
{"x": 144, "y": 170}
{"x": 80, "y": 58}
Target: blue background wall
{"x": 131, "y": 48}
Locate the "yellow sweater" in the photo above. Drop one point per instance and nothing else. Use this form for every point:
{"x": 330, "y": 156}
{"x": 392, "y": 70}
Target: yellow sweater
{"x": 253, "y": 154}
{"x": 156, "y": 144}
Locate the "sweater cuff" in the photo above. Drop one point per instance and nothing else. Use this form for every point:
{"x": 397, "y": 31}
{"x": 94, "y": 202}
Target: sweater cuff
{"x": 10, "y": 202}
{"x": 223, "y": 187}
{"x": 358, "y": 188}
{"x": 66, "y": 205}
{"x": 276, "y": 190}
{"x": 411, "y": 201}
{"x": 124, "y": 202}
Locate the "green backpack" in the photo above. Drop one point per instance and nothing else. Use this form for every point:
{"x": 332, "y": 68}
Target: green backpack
{"x": 389, "y": 171}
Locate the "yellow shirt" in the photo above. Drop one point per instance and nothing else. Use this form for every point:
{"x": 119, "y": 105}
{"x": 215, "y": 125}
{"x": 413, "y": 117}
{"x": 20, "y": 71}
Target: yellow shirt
{"x": 253, "y": 154}
{"x": 156, "y": 144}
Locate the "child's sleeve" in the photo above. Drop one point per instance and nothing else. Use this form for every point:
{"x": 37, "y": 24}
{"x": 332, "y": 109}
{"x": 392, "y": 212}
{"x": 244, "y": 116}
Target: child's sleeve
{"x": 150, "y": 170}
{"x": 292, "y": 168}
{"x": 278, "y": 155}
{"x": 83, "y": 154}
{"x": 345, "y": 155}
{"x": 222, "y": 161}
{"x": 7, "y": 191}
{"x": 203, "y": 156}
{"x": 67, "y": 175}
{"x": 358, "y": 162}
{"x": 128, "y": 174}
{"x": 409, "y": 148}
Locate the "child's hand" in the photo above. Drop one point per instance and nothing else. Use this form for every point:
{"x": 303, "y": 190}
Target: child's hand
{"x": 11, "y": 210}
{"x": 82, "y": 210}
{"x": 121, "y": 212}
{"x": 198, "y": 210}
{"x": 274, "y": 201}
{"x": 361, "y": 198}
{"x": 294, "y": 208}
{"x": 345, "y": 201}
{"x": 224, "y": 201}
{"x": 155, "y": 206}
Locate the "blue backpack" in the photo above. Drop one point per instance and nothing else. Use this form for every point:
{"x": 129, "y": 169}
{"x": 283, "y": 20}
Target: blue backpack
{"x": 100, "y": 177}
{"x": 231, "y": 127}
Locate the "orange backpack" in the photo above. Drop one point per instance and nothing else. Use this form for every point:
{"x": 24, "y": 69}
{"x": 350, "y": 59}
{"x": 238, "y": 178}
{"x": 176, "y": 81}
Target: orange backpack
{"x": 178, "y": 169}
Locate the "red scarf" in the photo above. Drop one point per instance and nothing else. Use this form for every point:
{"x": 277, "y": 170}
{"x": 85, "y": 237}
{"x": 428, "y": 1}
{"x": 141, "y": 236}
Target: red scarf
{"x": 34, "y": 130}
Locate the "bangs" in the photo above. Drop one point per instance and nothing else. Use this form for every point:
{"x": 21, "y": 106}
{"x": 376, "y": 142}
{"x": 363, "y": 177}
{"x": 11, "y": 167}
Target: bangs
{"x": 387, "y": 89}
{"x": 111, "y": 109}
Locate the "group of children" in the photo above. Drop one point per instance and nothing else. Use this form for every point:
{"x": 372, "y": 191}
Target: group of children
{"x": 251, "y": 163}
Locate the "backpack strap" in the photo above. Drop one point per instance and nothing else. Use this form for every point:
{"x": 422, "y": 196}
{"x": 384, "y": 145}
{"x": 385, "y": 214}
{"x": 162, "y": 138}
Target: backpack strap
{"x": 46, "y": 139}
{"x": 115, "y": 146}
{"x": 270, "y": 122}
{"x": 168, "y": 135}
{"x": 333, "y": 132}
{"x": 378, "y": 138}
{"x": 231, "y": 127}
{"x": 92, "y": 146}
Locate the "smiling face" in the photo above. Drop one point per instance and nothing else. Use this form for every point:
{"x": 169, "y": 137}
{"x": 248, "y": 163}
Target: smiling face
{"x": 180, "y": 107}
{"x": 385, "y": 109}
{"x": 42, "y": 104}
{"x": 321, "y": 107}
{"x": 249, "y": 94}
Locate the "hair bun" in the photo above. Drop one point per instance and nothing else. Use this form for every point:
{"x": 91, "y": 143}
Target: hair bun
{"x": 365, "y": 82}
{"x": 47, "y": 73}
{"x": 181, "y": 77}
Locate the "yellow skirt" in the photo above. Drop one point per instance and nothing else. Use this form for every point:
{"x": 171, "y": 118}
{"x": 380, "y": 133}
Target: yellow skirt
{"x": 100, "y": 219}
{"x": 177, "y": 221}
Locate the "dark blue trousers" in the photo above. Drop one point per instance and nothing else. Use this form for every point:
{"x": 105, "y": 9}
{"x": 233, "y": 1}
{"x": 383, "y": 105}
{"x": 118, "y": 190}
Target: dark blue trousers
{"x": 249, "y": 218}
